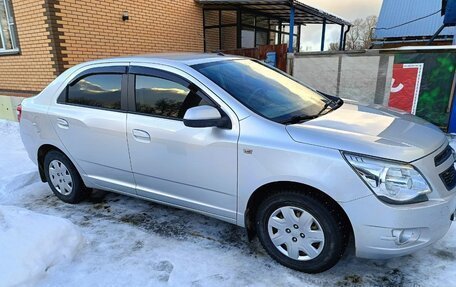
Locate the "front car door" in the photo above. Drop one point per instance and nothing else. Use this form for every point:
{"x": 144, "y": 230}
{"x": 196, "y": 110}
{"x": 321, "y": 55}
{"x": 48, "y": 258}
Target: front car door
{"x": 90, "y": 120}
{"x": 194, "y": 168}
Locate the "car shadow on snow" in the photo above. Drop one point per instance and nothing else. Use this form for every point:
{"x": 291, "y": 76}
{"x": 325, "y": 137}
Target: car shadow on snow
{"x": 161, "y": 220}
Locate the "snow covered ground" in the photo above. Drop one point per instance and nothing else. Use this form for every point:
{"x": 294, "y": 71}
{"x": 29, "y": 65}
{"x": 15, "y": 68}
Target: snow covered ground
{"x": 115, "y": 240}
{"x": 31, "y": 243}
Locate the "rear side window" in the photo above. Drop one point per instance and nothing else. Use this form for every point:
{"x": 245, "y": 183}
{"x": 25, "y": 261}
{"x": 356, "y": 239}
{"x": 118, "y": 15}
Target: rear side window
{"x": 100, "y": 91}
{"x": 161, "y": 97}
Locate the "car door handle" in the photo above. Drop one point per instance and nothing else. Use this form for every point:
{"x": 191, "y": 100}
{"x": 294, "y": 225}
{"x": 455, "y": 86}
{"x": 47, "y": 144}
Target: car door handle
{"x": 141, "y": 136}
{"x": 62, "y": 123}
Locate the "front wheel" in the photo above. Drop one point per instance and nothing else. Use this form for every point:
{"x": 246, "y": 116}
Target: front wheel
{"x": 301, "y": 232}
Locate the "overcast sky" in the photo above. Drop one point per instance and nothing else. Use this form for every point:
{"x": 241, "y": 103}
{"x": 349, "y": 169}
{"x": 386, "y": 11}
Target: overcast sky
{"x": 347, "y": 9}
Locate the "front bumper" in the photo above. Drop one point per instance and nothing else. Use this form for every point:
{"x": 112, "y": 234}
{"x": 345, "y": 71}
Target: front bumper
{"x": 384, "y": 231}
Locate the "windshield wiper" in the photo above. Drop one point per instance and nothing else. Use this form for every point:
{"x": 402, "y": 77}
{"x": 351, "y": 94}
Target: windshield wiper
{"x": 338, "y": 102}
{"x": 299, "y": 119}
{"x": 326, "y": 105}
{"x": 335, "y": 103}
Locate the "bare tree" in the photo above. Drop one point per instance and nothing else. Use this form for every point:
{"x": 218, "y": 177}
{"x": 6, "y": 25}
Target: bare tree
{"x": 334, "y": 46}
{"x": 353, "y": 41}
{"x": 360, "y": 35}
{"x": 368, "y": 31}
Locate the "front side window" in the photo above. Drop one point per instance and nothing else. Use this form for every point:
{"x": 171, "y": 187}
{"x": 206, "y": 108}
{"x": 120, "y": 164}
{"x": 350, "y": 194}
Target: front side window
{"x": 99, "y": 91}
{"x": 164, "y": 98}
{"x": 265, "y": 91}
{"x": 7, "y": 28}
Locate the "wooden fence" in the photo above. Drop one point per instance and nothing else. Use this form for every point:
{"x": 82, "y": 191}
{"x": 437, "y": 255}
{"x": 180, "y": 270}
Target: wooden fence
{"x": 261, "y": 51}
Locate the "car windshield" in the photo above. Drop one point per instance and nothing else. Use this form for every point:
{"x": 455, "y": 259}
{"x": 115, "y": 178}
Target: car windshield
{"x": 265, "y": 91}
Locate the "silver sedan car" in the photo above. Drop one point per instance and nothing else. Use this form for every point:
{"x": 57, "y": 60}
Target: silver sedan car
{"x": 235, "y": 139}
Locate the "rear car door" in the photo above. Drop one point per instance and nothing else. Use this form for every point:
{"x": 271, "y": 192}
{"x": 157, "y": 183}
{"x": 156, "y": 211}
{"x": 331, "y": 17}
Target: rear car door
{"x": 90, "y": 120}
{"x": 194, "y": 168}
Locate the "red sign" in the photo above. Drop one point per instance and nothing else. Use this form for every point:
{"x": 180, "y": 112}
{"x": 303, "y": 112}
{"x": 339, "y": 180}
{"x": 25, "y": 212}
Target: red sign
{"x": 405, "y": 87}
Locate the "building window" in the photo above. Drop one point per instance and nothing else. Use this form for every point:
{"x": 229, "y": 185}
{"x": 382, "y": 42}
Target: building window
{"x": 212, "y": 39}
{"x": 262, "y": 22}
{"x": 248, "y": 37}
{"x": 261, "y": 38}
{"x": 248, "y": 19}
{"x": 224, "y": 31}
{"x": 285, "y": 32}
{"x": 228, "y": 38}
{"x": 8, "y": 41}
{"x": 273, "y": 38}
{"x": 228, "y": 17}
{"x": 220, "y": 30}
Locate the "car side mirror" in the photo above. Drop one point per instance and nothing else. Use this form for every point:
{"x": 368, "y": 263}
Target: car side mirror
{"x": 204, "y": 117}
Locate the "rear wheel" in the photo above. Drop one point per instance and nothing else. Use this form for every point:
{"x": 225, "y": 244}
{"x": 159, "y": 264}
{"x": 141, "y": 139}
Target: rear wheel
{"x": 301, "y": 232}
{"x": 63, "y": 178}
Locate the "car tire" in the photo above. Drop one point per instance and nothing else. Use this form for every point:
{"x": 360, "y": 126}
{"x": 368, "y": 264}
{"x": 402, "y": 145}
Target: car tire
{"x": 63, "y": 178}
{"x": 301, "y": 231}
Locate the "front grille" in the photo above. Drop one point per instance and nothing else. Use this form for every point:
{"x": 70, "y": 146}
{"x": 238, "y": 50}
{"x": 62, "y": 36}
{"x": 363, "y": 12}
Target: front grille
{"x": 443, "y": 156}
{"x": 449, "y": 177}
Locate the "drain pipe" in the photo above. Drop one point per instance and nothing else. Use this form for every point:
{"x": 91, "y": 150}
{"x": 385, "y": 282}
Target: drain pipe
{"x": 345, "y": 38}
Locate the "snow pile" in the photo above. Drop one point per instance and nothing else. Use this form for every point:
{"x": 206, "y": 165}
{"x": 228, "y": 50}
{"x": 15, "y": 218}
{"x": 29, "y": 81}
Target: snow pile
{"x": 31, "y": 243}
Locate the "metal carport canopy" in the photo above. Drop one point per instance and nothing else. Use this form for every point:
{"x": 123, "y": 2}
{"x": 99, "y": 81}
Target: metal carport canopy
{"x": 304, "y": 14}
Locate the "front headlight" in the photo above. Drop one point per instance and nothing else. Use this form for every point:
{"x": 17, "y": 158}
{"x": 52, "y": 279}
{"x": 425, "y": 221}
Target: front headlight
{"x": 392, "y": 182}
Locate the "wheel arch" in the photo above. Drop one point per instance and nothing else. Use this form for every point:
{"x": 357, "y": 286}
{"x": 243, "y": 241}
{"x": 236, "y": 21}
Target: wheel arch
{"x": 268, "y": 189}
{"x": 42, "y": 151}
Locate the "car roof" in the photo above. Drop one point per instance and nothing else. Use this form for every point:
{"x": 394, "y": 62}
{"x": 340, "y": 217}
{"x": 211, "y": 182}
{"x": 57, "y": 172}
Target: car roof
{"x": 171, "y": 58}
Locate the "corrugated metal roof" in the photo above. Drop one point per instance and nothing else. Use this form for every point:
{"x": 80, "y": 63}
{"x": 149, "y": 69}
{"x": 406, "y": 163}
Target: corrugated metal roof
{"x": 396, "y": 12}
{"x": 304, "y": 14}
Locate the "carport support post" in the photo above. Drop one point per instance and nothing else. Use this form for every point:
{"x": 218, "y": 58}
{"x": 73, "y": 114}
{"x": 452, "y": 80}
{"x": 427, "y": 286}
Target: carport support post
{"x": 323, "y": 35}
{"x": 290, "y": 40}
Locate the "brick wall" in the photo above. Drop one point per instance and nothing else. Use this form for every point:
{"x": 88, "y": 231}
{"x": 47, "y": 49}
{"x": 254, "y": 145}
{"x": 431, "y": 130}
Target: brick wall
{"x": 229, "y": 34}
{"x": 57, "y": 34}
{"x": 94, "y": 29}
{"x": 32, "y": 69}
{"x": 229, "y": 38}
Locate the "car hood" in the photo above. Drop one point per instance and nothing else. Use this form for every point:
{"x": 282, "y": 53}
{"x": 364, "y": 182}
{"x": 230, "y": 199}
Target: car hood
{"x": 372, "y": 130}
